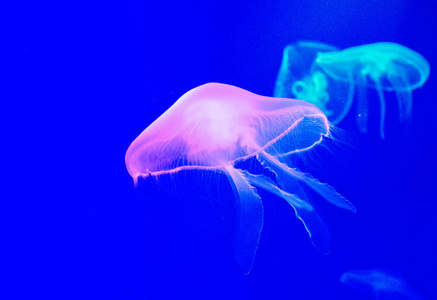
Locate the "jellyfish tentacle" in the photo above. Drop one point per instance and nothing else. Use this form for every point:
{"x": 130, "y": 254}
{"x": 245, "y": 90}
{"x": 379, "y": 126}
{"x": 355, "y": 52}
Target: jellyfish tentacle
{"x": 250, "y": 218}
{"x": 268, "y": 184}
{"x": 403, "y": 95}
{"x": 362, "y": 108}
{"x": 347, "y": 106}
{"x": 316, "y": 228}
{"x": 323, "y": 189}
{"x": 380, "y": 91}
{"x": 403, "y": 92}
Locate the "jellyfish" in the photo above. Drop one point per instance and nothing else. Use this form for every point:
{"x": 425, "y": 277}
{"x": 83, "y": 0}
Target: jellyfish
{"x": 213, "y": 128}
{"x": 382, "y": 66}
{"x": 379, "y": 284}
{"x": 325, "y": 76}
{"x": 301, "y": 78}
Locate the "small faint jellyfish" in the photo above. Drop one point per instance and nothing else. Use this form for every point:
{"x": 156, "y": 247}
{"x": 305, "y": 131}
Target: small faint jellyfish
{"x": 213, "y": 128}
{"x": 299, "y": 77}
{"x": 379, "y": 284}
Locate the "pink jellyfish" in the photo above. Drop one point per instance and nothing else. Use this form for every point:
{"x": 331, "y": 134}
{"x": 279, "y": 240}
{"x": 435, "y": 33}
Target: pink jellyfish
{"x": 213, "y": 127}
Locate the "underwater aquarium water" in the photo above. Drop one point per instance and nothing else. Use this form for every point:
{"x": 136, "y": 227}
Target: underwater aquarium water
{"x": 213, "y": 127}
{"x": 382, "y": 66}
{"x": 83, "y": 79}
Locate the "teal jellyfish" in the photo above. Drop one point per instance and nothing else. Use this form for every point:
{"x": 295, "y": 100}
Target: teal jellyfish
{"x": 300, "y": 78}
{"x": 382, "y": 66}
{"x": 323, "y": 75}
{"x": 213, "y": 128}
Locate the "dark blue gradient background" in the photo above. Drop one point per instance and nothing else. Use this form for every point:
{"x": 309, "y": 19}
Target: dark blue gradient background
{"x": 84, "y": 79}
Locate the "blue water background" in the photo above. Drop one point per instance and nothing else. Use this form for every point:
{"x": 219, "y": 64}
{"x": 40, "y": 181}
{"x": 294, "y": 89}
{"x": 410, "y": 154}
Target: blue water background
{"x": 87, "y": 78}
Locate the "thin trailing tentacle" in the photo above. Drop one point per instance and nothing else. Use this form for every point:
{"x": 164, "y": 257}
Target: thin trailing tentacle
{"x": 382, "y": 108}
{"x": 325, "y": 190}
{"x": 316, "y": 228}
{"x": 250, "y": 218}
{"x": 362, "y": 105}
{"x": 405, "y": 100}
